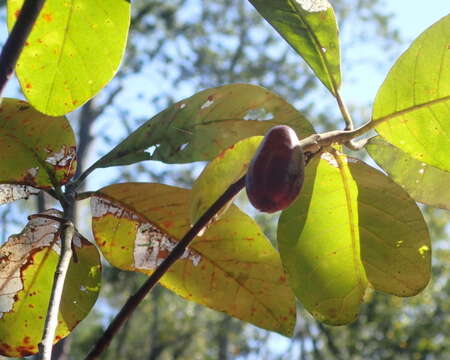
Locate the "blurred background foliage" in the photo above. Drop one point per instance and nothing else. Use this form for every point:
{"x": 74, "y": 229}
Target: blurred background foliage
{"x": 176, "y": 48}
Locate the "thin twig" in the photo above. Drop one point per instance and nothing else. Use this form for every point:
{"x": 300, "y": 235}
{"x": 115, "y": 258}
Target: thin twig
{"x": 51, "y": 320}
{"x": 17, "y": 39}
{"x": 356, "y": 145}
{"x": 84, "y": 195}
{"x": 344, "y": 111}
{"x": 174, "y": 255}
{"x": 83, "y": 176}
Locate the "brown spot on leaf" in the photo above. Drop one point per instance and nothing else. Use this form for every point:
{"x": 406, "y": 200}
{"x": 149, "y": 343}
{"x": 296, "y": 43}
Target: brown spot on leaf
{"x": 47, "y": 17}
{"x": 17, "y": 13}
{"x": 167, "y": 224}
{"x": 28, "y": 86}
{"x": 26, "y": 350}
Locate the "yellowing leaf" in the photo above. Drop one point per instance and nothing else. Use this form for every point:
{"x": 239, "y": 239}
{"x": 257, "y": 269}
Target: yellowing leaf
{"x": 412, "y": 107}
{"x": 425, "y": 183}
{"x": 231, "y": 268}
{"x": 73, "y": 51}
{"x": 27, "y": 265}
{"x": 395, "y": 245}
{"x": 221, "y": 172}
{"x": 35, "y": 149}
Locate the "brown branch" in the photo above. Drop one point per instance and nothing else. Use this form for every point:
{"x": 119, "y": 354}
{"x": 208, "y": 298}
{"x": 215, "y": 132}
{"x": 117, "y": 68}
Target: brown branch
{"x": 17, "y": 39}
{"x": 174, "y": 255}
{"x": 51, "y": 320}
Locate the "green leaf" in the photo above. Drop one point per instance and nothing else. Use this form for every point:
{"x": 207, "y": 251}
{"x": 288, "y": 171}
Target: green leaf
{"x": 351, "y": 226}
{"x": 35, "y": 149}
{"x": 231, "y": 268}
{"x": 220, "y": 173}
{"x": 318, "y": 238}
{"x": 412, "y": 107}
{"x": 310, "y": 27}
{"x": 73, "y": 51}
{"x": 27, "y": 266}
{"x": 425, "y": 183}
{"x": 200, "y": 127}
{"x": 395, "y": 245}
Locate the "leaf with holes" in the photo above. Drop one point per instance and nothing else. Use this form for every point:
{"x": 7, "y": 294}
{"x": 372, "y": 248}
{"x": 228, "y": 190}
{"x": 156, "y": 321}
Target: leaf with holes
{"x": 232, "y": 267}
{"x": 225, "y": 169}
{"x": 425, "y": 183}
{"x": 27, "y": 266}
{"x": 395, "y": 245}
{"x": 35, "y": 149}
{"x": 73, "y": 51}
{"x": 318, "y": 238}
{"x": 310, "y": 27}
{"x": 412, "y": 107}
{"x": 200, "y": 127}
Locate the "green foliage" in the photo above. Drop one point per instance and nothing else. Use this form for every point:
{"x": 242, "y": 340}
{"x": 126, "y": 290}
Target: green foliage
{"x": 74, "y": 50}
{"x": 319, "y": 243}
{"x": 411, "y": 107}
{"x": 311, "y": 29}
{"x": 351, "y": 229}
{"x": 200, "y": 127}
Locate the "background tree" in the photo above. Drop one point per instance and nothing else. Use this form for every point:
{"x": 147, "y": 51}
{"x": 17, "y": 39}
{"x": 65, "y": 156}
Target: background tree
{"x": 183, "y": 47}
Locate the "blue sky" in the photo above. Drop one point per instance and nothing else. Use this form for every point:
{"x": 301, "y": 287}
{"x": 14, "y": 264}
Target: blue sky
{"x": 411, "y": 18}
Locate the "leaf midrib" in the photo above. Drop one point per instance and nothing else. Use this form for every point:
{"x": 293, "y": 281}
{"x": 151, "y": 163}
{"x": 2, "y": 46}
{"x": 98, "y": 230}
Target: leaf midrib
{"x": 144, "y": 218}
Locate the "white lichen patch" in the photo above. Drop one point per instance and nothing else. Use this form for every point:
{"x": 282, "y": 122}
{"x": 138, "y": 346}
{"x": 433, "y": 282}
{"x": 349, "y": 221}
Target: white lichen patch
{"x": 101, "y": 207}
{"x": 63, "y": 157}
{"x": 260, "y": 114}
{"x": 152, "y": 246}
{"x": 330, "y": 159}
{"x": 207, "y": 103}
{"x": 39, "y": 233}
{"x": 314, "y": 5}
{"x": 10, "y": 193}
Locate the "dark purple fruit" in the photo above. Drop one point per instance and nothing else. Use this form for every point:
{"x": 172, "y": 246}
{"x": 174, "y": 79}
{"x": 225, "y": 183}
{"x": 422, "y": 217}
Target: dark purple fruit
{"x": 275, "y": 174}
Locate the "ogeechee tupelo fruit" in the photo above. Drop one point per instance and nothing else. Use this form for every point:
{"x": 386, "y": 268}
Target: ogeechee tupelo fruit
{"x": 275, "y": 174}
